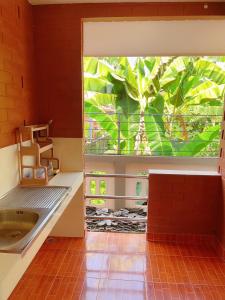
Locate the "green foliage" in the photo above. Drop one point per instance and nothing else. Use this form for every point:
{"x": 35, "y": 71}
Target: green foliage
{"x": 156, "y": 105}
{"x": 97, "y": 202}
{"x": 92, "y": 187}
{"x": 102, "y": 187}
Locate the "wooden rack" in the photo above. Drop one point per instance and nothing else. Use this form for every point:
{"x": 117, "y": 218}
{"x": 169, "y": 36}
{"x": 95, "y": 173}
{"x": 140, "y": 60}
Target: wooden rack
{"x": 35, "y": 168}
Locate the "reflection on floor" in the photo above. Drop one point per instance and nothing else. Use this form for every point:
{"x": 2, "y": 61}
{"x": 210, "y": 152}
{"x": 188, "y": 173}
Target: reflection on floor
{"x": 121, "y": 266}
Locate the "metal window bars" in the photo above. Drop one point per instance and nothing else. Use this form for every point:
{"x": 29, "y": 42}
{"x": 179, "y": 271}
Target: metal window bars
{"x": 118, "y": 135}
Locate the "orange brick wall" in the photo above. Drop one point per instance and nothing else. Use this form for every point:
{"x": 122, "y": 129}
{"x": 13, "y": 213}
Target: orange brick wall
{"x": 58, "y": 58}
{"x": 17, "y": 101}
{"x": 58, "y": 33}
{"x": 183, "y": 205}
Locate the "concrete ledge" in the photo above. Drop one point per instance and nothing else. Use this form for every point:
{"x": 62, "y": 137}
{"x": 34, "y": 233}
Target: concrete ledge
{"x": 162, "y": 162}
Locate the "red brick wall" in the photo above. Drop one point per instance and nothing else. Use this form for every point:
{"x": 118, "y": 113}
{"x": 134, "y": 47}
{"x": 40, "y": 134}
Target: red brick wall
{"x": 181, "y": 204}
{"x": 221, "y": 218}
{"x": 58, "y": 52}
{"x": 58, "y": 58}
{"x": 17, "y": 102}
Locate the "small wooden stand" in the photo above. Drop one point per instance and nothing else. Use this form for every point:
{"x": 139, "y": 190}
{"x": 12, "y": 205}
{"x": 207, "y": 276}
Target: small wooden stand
{"x": 36, "y": 169}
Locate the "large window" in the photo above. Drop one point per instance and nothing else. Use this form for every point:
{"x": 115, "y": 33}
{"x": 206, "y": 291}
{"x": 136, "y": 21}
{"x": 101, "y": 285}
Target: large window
{"x": 156, "y": 106}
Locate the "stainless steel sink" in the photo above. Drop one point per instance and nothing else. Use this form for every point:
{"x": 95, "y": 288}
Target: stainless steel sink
{"x": 15, "y": 224}
{"x": 24, "y": 213}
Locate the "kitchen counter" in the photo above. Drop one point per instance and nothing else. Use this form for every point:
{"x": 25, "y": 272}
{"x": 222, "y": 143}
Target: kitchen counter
{"x": 69, "y": 179}
{"x": 183, "y": 172}
{"x": 13, "y": 265}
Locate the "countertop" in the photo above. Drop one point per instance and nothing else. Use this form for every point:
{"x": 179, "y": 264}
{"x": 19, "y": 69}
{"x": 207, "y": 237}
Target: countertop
{"x": 183, "y": 172}
{"x": 14, "y": 265}
{"x": 67, "y": 179}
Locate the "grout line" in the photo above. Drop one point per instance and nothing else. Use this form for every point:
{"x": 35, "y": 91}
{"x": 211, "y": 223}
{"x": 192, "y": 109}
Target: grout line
{"x": 164, "y": 282}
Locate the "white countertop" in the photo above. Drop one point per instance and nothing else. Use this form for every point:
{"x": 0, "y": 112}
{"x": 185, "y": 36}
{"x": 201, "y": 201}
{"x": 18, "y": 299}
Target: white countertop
{"x": 67, "y": 179}
{"x": 12, "y": 266}
{"x": 184, "y": 172}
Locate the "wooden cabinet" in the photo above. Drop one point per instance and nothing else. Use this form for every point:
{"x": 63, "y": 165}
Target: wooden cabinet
{"x": 36, "y": 156}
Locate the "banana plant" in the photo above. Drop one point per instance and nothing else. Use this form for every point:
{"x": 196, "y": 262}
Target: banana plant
{"x": 150, "y": 95}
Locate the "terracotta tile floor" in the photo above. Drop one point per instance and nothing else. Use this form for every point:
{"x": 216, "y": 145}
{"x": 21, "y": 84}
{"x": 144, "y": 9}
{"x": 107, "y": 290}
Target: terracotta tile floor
{"x": 107, "y": 266}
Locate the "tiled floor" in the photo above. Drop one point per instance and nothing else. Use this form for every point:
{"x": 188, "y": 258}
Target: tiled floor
{"x": 117, "y": 266}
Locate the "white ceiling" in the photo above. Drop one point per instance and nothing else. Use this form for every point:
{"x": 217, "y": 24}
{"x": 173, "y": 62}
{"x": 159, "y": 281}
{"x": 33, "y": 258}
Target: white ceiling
{"x": 38, "y": 2}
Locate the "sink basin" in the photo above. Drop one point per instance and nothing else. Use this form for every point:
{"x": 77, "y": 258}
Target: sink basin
{"x": 24, "y": 212}
{"x": 15, "y": 224}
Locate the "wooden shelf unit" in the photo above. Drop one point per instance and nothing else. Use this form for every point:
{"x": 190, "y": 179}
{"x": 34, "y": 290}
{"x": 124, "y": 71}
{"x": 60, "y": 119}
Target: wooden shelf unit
{"x": 36, "y": 169}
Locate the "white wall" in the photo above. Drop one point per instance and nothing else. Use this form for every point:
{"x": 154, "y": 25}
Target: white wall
{"x": 149, "y": 38}
{"x": 9, "y": 170}
{"x": 69, "y": 152}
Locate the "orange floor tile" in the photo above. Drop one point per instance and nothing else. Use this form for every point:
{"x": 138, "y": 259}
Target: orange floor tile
{"x": 107, "y": 266}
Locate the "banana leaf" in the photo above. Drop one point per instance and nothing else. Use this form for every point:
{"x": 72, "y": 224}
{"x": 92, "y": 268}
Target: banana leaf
{"x": 155, "y": 132}
{"x": 173, "y": 69}
{"x": 91, "y": 65}
{"x": 205, "y": 92}
{"x": 200, "y": 141}
{"x": 106, "y": 121}
{"x": 210, "y": 70}
{"x": 94, "y": 84}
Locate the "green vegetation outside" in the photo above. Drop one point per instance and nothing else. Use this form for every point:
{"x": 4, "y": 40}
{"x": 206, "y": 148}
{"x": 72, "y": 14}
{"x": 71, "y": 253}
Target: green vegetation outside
{"x": 157, "y": 106}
